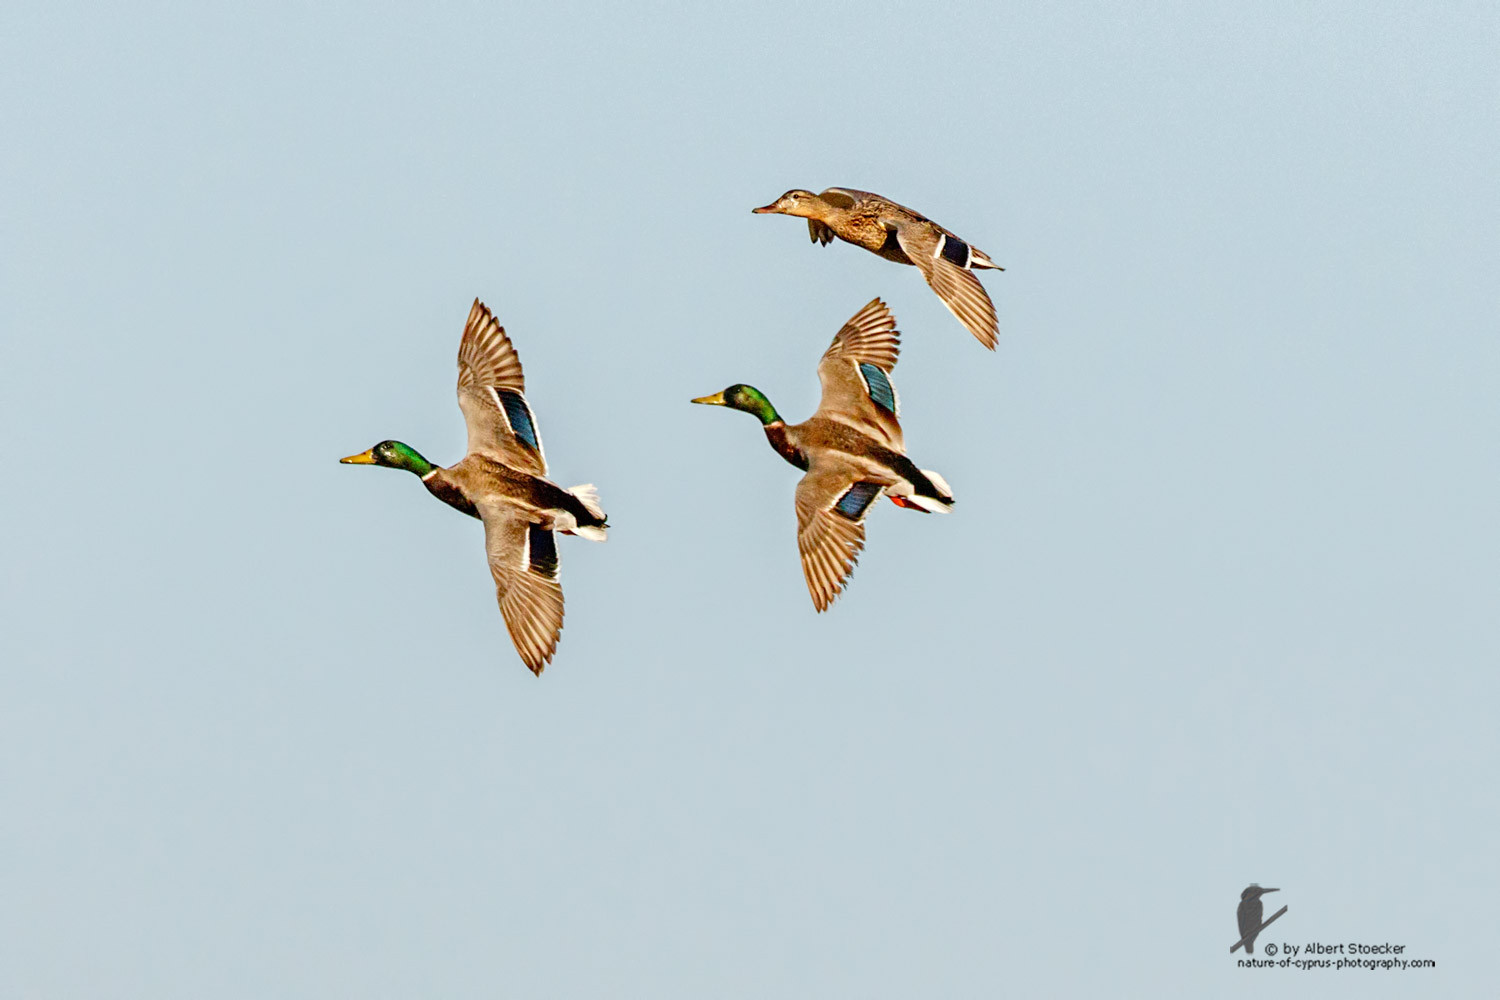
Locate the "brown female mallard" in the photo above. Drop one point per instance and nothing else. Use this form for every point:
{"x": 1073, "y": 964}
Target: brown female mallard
{"x": 897, "y": 233}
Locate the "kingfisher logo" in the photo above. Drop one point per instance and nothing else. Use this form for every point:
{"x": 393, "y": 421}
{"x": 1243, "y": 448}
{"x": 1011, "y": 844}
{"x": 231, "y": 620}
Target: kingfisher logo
{"x": 1249, "y": 914}
{"x": 1250, "y": 917}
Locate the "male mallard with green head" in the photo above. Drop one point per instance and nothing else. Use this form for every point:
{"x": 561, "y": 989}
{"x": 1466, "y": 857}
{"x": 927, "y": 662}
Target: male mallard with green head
{"x": 897, "y": 233}
{"x": 502, "y": 480}
{"x": 851, "y": 448}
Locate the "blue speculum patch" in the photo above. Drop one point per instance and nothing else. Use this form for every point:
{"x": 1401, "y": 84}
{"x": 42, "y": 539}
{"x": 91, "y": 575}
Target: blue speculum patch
{"x": 519, "y": 415}
{"x": 543, "y": 550}
{"x": 856, "y": 500}
{"x": 880, "y": 387}
{"x": 956, "y": 251}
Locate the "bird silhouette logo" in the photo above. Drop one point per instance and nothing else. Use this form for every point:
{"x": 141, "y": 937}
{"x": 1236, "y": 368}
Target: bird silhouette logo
{"x": 1249, "y": 917}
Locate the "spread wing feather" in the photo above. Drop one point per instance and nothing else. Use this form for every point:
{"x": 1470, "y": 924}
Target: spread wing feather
{"x": 526, "y": 583}
{"x": 855, "y": 372}
{"x": 954, "y": 283}
{"x": 831, "y": 504}
{"x": 492, "y": 395}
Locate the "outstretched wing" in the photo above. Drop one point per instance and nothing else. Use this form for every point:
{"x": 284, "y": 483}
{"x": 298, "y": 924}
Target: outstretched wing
{"x": 831, "y": 502}
{"x": 492, "y": 394}
{"x": 945, "y": 261}
{"x": 856, "y": 375}
{"x": 848, "y": 197}
{"x": 523, "y": 561}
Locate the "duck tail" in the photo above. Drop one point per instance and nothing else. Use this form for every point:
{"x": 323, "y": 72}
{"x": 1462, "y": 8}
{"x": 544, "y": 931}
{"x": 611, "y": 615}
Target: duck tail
{"x": 980, "y": 261}
{"x": 589, "y": 497}
{"x": 941, "y": 484}
{"x": 928, "y": 492}
{"x": 939, "y": 500}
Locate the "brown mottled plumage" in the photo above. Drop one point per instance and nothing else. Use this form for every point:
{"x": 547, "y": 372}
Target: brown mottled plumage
{"x": 899, "y": 234}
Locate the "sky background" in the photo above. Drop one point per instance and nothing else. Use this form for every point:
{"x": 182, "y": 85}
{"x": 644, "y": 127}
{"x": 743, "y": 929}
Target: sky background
{"x": 1217, "y": 604}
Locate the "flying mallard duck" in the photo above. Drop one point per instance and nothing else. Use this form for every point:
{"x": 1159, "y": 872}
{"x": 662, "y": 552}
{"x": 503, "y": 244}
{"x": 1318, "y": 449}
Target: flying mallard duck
{"x": 897, "y": 233}
{"x": 502, "y": 481}
{"x": 852, "y": 449}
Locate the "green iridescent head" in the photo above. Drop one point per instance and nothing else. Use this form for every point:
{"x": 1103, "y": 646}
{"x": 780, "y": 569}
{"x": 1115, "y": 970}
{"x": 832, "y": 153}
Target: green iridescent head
{"x": 392, "y": 455}
{"x": 743, "y": 397}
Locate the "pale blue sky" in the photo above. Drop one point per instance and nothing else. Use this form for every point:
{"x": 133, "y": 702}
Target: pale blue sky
{"x": 1217, "y": 604}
